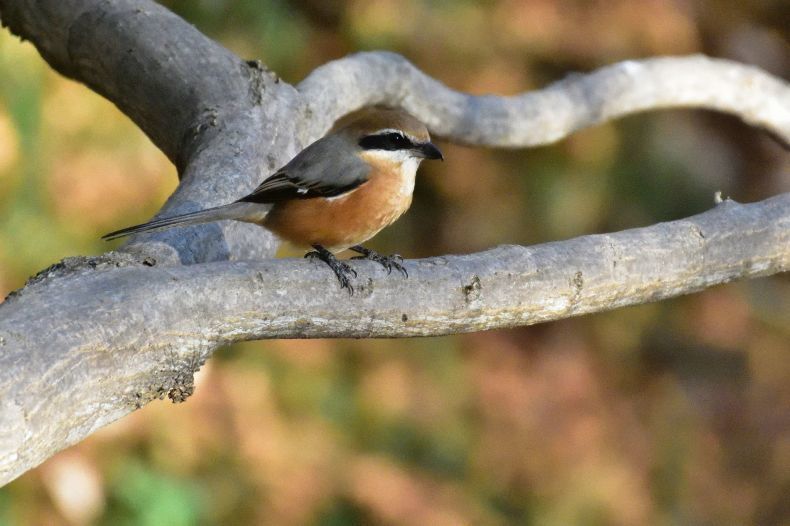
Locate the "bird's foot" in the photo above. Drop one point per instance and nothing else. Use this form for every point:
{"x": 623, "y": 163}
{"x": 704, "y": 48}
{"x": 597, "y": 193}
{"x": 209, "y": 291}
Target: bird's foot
{"x": 342, "y": 270}
{"x": 394, "y": 261}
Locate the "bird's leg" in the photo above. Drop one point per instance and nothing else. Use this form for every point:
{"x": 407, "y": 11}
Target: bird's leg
{"x": 341, "y": 269}
{"x": 388, "y": 262}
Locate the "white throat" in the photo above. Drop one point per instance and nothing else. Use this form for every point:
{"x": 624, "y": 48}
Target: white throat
{"x": 409, "y": 171}
{"x": 408, "y": 166}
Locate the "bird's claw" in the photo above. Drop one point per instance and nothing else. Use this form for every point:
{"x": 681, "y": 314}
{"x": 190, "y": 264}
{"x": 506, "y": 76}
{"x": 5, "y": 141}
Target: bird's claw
{"x": 341, "y": 269}
{"x": 388, "y": 262}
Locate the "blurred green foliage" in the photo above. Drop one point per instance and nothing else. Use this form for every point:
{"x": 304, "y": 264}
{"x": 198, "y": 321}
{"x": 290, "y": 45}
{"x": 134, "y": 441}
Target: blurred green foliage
{"x": 141, "y": 496}
{"x": 670, "y": 413}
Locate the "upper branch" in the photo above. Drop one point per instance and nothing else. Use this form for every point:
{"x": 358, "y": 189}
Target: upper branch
{"x": 547, "y": 115}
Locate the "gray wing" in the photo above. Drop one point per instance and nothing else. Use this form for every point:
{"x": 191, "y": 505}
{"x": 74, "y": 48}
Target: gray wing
{"x": 327, "y": 168}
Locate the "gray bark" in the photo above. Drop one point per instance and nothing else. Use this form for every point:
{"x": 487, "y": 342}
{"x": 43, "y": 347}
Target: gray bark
{"x": 91, "y": 339}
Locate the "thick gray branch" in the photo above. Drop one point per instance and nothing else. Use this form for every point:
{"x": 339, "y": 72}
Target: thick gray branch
{"x": 223, "y": 122}
{"x": 160, "y": 71}
{"x": 105, "y": 365}
{"x": 93, "y": 338}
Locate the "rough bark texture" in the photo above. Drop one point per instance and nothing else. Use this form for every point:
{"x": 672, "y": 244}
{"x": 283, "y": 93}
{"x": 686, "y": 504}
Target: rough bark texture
{"x": 91, "y": 339}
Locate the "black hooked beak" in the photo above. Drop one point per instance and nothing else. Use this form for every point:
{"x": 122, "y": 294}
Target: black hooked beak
{"x": 428, "y": 150}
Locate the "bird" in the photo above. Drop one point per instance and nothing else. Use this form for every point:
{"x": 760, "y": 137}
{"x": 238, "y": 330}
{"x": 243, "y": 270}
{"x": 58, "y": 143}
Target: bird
{"x": 335, "y": 194}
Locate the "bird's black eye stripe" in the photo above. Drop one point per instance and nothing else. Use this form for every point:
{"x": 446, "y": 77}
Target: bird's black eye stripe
{"x": 386, "y": 141}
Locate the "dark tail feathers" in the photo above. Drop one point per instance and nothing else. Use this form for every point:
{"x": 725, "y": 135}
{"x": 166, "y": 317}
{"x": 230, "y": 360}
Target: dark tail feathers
{"x": 230, "y": 211}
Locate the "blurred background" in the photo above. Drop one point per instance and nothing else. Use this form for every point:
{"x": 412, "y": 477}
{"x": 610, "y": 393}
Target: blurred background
{"x": 670, "y": 413}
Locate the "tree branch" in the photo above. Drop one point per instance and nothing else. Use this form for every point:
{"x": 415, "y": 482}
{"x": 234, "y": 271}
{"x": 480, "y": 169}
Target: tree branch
{"x": 91, "y": 339}
{"x": 75, "y": 355}
{"x": 550, "y": 114}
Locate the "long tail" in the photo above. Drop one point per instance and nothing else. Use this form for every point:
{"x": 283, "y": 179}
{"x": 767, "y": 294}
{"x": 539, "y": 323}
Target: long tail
{"x": 238, "y": 211}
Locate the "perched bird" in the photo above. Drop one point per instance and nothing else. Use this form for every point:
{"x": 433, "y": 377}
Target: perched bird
{"x": 336, "y": 193}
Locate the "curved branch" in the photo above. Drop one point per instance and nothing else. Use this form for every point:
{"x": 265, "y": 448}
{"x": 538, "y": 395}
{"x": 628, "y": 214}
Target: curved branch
{"x": 227, "y": 124}
{"x": 94, "y": 364}
{"x": 550, "y": 114}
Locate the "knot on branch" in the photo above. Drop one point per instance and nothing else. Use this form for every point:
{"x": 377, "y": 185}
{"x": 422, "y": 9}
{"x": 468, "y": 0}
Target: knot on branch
{"x": 183, "y": 388}
{"x": 472, "y": 290}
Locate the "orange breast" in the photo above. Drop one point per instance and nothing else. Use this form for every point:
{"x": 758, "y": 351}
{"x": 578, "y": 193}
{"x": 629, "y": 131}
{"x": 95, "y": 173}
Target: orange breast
{"x": 346, "y": 220}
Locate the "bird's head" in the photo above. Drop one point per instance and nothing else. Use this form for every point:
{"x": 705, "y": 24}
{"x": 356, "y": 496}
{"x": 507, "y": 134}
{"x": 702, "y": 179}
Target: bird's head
{"x": 389, "y": 133}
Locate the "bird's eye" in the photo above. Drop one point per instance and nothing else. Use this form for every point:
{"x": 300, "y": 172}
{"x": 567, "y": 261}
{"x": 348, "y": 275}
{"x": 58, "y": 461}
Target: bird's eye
{"x": 398, "y": 139}
{"x": 386, "y": 141}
